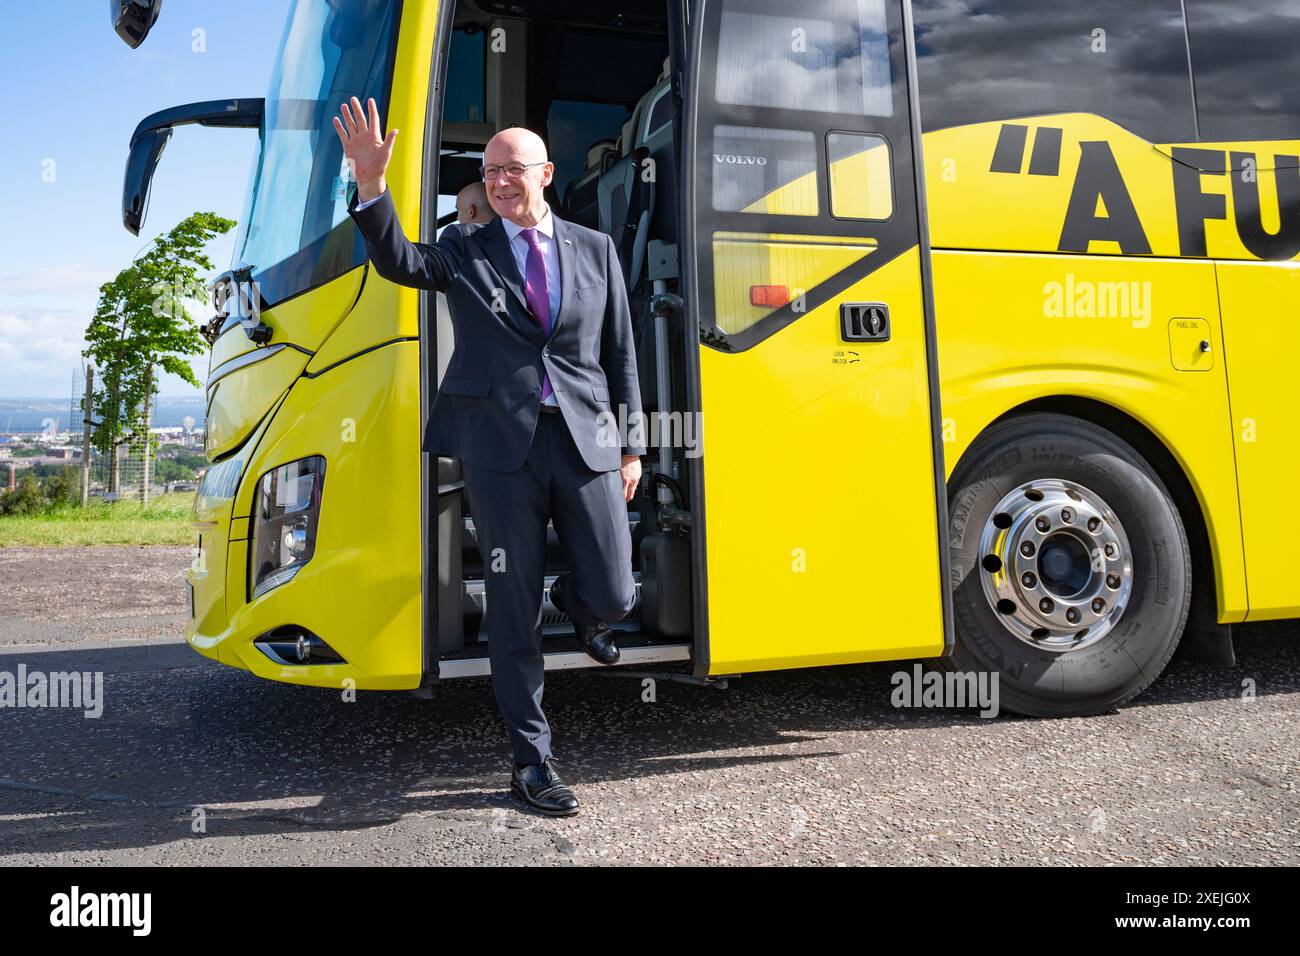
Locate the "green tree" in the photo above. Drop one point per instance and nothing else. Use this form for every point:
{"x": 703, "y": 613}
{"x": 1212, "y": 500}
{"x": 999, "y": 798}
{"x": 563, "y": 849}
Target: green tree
{"x": 27, "y": 498}
{"x": 142, "y": 324}
{"x": 63, "y": 488}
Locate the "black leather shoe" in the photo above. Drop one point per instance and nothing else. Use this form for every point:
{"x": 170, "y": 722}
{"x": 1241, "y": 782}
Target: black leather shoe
{"x": 594, "y": 636}
{"x": 598, "y": 642}
{"x": 540, "y": 786}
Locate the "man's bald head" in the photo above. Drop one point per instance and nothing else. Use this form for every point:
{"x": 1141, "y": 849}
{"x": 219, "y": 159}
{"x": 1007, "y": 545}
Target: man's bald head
{"x": 518, "y": 198}
{"x": 516, "y": 141}
{"x": 472, "y": 204}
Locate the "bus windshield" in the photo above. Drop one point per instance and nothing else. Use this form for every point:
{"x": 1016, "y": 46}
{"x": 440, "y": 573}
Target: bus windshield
{"x": 295, "y": 231}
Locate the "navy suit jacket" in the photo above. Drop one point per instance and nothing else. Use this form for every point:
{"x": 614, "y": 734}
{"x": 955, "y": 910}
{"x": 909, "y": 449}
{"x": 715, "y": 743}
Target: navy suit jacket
{"x": 486, "y": 409}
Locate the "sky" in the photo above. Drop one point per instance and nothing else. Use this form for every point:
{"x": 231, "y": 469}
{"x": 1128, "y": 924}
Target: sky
{"x": 76, "y": 93}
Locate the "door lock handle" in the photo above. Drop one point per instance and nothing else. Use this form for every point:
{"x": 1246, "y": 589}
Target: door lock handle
{"x": 864, "y": 322}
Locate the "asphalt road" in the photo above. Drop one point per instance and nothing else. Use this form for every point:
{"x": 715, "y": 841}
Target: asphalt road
{"x": 192, "y": 762}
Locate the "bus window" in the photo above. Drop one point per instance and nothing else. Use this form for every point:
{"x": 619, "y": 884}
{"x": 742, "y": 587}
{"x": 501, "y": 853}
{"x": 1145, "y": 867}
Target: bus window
{"x": 572, "y": 127}
{"x": 861, "y": 183}
{"x": 768, "y": 171}
{"x": 296, "y": 231}
{"x": 793, "y": 96}
{"x": 1242, "y": 57}
{"x": 985, "y": 60}
{"x": 466, "y": 98}
{"x": 835, "y": 60}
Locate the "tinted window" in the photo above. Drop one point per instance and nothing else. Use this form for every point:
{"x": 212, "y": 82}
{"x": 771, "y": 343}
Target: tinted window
{"x": 861, "y": 184}
{"x": 1244, "y": 57}
{"x": 572, "y": 128}
{"x": 296, "y": 231}
{"x": 466, "y": 97}
{"x": 801, "y": 114}
{"x": 984, "y": 60}
{"x": 834, "y": 59}
{"x": 764, "y": 170}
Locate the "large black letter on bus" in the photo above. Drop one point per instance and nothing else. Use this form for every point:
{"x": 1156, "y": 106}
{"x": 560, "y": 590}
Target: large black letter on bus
{"x": 1285, "y": 243}
{"x": 1194, "y": 206}
{"x": 1099, "y": 177}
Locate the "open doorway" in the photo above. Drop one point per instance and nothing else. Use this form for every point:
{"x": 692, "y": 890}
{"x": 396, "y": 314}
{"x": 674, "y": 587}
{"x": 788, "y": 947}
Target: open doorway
{"x": 596, "y": 86}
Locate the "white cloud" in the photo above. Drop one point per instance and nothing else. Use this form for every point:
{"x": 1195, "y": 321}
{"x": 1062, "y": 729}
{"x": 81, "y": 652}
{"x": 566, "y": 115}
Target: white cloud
{"x": 40, "y": 349}
{"x": 71, "y": 279}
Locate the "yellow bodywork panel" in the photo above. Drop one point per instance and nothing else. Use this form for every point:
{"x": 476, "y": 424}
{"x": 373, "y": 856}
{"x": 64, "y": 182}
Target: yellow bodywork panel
{"x": 1098, "y": 170}
{"x": 359, "y": 409}
{"x": 819, "y": 489}
{"x": 1029, "y": 318}
{"x": 1262, "y": 338}
{"x": 360, "y": 592}
{"x": 1016, "y": 327}
{"x": 240, "y": 399}
{"x": 305, "y": 320}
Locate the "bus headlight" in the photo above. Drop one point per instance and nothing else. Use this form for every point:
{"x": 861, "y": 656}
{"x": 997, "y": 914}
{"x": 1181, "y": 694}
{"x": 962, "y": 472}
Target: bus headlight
{"x": 286, "y": 509}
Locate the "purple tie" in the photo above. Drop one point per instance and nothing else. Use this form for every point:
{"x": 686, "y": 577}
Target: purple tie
{"x": 537, "y": 294}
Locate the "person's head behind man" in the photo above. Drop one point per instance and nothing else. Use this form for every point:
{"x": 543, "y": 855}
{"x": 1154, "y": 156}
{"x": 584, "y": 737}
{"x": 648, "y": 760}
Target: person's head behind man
{"x": 472, "y": 204}
{"x": 516, "y": 171}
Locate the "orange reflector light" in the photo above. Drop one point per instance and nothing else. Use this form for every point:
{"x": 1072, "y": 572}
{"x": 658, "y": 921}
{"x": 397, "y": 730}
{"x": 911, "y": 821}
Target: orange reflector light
{"x": 769, "y": 296}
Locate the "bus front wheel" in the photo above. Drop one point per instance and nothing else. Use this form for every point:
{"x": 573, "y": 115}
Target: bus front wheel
{"x": 1070, "y": 566}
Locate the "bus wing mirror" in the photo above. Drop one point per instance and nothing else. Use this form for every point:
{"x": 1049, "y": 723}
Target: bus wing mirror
{"x": 133, "y": 19}
{"x": 154, "y": 131}
{"x": 145, "y": 150}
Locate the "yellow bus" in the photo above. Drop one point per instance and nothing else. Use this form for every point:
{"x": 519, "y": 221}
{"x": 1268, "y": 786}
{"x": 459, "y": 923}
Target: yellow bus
{"x": 964, "y": 333}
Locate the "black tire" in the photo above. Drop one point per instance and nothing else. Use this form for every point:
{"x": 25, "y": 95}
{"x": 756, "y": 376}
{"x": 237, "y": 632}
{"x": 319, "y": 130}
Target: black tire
{"x": 1122, "y": 663}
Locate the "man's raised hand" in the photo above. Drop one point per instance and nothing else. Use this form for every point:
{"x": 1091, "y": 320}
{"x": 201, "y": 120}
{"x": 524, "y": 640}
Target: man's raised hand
{"x": 366, "y": 153}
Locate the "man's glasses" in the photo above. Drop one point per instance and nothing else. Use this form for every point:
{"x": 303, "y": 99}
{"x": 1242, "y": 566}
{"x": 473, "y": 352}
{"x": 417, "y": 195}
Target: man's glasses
{"x": 513, "y": 170}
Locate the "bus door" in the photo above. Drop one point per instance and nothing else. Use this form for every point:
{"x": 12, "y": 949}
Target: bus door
{"x": 808, "y": 270}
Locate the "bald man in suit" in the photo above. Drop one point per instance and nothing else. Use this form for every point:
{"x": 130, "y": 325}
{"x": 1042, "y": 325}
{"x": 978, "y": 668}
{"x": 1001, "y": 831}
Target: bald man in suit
{"x": 544, "y": 359}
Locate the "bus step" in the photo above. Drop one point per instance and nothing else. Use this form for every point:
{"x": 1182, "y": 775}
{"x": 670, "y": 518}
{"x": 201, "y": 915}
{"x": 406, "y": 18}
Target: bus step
{"x": 554, "y": 622}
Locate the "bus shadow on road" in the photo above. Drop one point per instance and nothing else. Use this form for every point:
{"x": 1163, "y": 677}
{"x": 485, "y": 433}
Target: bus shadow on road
{"x": 186, "y": 749}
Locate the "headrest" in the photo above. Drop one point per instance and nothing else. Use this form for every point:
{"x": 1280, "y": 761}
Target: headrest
{"x": 598, "y": 149}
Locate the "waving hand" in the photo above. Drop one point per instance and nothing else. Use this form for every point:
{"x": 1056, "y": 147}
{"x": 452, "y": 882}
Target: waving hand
{"x": 366, "y": 152}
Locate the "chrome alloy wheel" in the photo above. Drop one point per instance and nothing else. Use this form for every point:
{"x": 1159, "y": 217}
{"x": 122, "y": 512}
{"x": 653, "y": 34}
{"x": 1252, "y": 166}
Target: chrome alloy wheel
{"x": 1055, "y": 565}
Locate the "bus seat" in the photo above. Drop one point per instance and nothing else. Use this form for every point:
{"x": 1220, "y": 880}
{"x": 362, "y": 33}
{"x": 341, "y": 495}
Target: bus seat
{"x": 625, "y": 202}
{"x": 580, "y": 196}
{"x": 655, "y": 135}
{"x": 634, "y": 211}
{"x": 631, "y": 210}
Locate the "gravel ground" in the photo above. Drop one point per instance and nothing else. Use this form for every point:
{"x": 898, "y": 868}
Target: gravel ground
{"x": 192, "y": 762}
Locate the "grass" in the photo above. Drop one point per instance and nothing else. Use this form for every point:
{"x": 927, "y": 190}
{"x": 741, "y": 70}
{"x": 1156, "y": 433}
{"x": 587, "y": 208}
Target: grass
{"x": 165, "y": 521}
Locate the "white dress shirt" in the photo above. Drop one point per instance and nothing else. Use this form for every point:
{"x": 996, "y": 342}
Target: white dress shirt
{"x": 519, "y": 246}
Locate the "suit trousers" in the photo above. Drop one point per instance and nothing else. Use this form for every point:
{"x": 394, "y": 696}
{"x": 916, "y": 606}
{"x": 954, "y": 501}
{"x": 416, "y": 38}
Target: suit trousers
{"x": 510, "y": 511}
